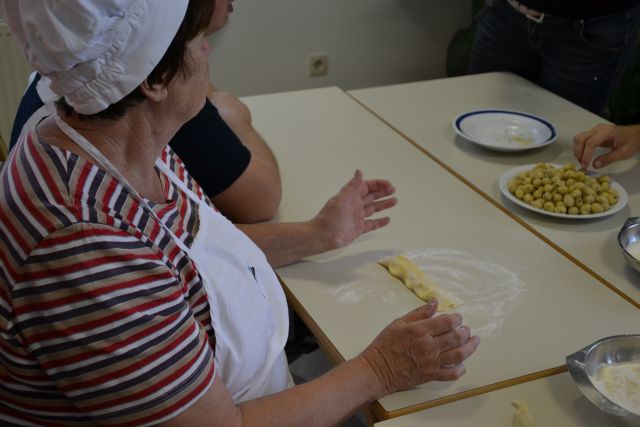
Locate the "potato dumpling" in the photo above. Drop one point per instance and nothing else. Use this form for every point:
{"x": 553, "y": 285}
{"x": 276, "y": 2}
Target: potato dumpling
{"x": 564, "y": 190}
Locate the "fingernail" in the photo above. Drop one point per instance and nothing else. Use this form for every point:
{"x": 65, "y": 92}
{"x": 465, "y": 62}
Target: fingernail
{"x": 597, "y": 163}
{"x": 428, "y": 307}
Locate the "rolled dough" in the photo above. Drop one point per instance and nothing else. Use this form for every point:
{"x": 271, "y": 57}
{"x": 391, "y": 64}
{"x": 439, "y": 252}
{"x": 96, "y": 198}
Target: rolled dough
{"x": 522, "y": 417}
{"x": 406, "y": 270}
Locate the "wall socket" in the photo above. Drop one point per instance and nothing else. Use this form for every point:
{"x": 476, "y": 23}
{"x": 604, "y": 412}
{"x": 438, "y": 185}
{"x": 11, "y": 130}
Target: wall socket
{"x": 318, "y": 64}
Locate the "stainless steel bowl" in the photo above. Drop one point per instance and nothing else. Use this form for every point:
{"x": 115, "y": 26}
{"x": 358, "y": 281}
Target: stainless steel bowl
{"x": 629, "y": 234}
{"x": 584, "y": 364}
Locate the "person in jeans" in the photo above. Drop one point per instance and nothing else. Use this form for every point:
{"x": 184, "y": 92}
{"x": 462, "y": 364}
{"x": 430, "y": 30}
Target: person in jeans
{"x": 575, "y": 49}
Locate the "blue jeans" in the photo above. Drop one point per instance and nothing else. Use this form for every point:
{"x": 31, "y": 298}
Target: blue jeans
{"x": 580, "y": 60}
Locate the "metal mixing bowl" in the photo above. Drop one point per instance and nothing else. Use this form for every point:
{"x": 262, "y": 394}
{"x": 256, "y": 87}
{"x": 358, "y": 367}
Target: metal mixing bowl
{"x": 629, "y": 234}
{"x": 584, "y": 364}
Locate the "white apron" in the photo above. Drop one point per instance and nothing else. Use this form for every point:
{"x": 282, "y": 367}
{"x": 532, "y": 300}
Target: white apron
{"x": 248, "y": 307}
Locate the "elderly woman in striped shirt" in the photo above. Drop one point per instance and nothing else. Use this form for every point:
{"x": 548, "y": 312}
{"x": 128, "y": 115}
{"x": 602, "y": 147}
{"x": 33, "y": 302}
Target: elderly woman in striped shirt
{"x": 125, "y": 298}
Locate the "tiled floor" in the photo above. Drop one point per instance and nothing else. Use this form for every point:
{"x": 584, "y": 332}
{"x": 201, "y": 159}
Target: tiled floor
{"x": 312, "y": 365}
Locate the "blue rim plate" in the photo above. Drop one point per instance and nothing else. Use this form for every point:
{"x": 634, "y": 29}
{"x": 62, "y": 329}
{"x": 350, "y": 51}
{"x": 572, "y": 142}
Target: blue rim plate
{"x": 504, "y": 130}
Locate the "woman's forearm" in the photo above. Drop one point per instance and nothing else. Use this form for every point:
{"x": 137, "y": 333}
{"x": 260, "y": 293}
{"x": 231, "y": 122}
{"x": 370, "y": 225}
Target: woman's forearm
{"x": 413, "y": 349}
{"x": 325, "y": 401}
{"x": 287, "y": 242}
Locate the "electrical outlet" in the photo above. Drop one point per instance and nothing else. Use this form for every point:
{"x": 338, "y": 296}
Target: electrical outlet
{"x": 318, "y": 64}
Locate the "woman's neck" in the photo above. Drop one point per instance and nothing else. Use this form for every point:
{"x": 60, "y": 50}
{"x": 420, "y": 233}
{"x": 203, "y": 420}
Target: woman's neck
{"x": 132, "y": 144}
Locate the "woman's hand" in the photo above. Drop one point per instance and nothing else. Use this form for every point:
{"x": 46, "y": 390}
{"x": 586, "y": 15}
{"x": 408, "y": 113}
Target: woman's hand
{"x": 418, "y": 348}
{"x": 624, "y": 142}
{"x": 346, "y": 215}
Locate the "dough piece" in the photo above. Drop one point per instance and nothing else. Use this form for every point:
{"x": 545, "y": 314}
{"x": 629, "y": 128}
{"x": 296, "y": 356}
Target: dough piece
{"x": 522, "y": 417}
{"x": 406, "y": 270}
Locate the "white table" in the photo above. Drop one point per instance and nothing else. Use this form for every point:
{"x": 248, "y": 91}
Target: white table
{"x": 531, "y": 305}
{"x": 552, "y": 401}
{"x": 423, "y": 113}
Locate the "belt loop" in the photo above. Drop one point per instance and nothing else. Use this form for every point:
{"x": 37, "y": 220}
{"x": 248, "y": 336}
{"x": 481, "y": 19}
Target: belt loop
{"x": 531, "y": 14}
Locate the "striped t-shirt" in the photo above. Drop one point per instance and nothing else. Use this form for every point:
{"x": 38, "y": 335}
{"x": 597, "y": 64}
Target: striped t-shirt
{"x": 103, "y": 319}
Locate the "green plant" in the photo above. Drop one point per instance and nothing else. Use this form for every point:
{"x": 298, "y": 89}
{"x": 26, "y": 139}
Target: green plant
{"x": 459, "y": 49}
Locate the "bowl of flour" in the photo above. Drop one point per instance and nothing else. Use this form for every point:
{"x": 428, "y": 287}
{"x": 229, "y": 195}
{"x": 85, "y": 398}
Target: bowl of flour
{"x": 629, "y": 241}
{"x": 608, "y": 374}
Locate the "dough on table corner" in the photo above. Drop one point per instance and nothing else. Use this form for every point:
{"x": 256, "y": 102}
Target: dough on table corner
{"x": 406, "y": 270}
{"x": 522, "y": 417}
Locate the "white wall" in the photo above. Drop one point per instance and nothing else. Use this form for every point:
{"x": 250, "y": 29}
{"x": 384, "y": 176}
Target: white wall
{"x": 14, "y": 73}
{"x": 264, "y": 47}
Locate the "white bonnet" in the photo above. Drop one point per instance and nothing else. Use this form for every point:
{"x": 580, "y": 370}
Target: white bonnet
{"x": 95, "y": 52}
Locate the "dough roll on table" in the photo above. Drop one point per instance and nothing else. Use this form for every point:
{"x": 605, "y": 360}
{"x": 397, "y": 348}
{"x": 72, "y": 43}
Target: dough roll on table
{"x": 414, "y": 278}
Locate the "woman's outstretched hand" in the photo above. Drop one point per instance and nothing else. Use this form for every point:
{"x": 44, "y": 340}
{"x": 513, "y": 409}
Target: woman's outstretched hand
{"x": 346, "y": 215}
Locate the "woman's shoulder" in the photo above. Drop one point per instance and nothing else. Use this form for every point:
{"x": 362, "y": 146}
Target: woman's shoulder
{"x": 45, "y": 189}
{"x": 33, "y": 191}
{"x": 43, "y": 176}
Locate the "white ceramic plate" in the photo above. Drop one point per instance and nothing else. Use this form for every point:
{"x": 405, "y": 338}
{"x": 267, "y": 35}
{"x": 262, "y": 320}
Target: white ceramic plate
{"x": 503, "y": 130}
{"x": 623, "y": 198}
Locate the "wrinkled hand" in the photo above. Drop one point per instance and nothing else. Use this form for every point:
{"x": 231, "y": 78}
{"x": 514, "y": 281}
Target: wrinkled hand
{"x": 418, "y": 348}
{"x": 624, "y": 141}
{"x": 346, "y": 215}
